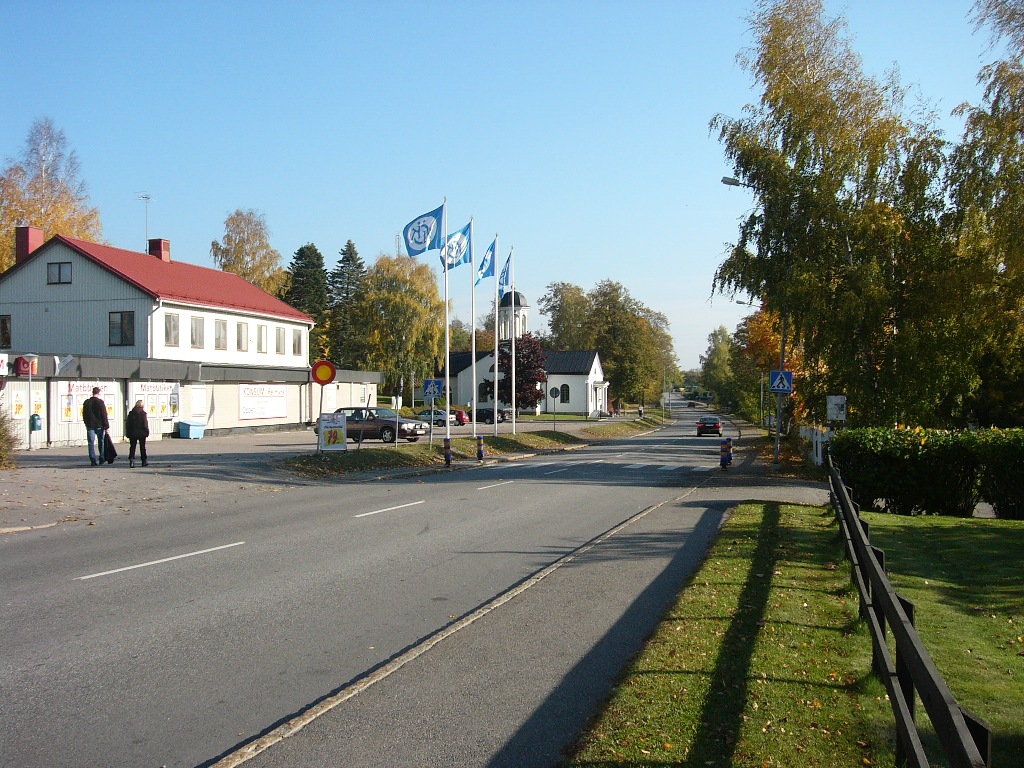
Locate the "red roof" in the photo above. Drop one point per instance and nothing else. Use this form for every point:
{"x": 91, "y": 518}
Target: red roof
{"x": 186, "y": 283}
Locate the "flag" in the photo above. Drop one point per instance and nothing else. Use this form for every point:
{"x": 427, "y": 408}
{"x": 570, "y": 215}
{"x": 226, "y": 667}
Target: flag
{"x": 486, "y": 268}
{"x": 458, "y": 249}
{"x": 424, "y": 232}
{"x": 505, "y": 281}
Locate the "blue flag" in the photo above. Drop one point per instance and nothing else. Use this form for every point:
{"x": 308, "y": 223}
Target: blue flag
{"x": 505, "y": 281}
{"x": 458, "y": 249}
{"x": 424, "y": 232}
{"x": 486, "y": 268}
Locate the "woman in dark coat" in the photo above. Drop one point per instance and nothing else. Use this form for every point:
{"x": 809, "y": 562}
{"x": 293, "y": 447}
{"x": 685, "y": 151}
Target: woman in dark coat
{"x": 137, "y": 430}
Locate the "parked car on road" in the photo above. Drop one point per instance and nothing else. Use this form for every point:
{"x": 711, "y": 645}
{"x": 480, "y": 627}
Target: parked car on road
{"x": 488, "y": 415}
{"x": 437, "y": 417}
{"x": 380, "y": 424}
{"x": 709, "y": 425}
{"x": 461, "y": 417}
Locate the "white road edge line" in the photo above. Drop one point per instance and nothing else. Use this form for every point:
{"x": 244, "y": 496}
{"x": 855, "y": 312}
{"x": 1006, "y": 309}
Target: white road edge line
{"x": 290, "y": 728}
{"x": 157, "y": 562}
{"x": 390, "y": 509}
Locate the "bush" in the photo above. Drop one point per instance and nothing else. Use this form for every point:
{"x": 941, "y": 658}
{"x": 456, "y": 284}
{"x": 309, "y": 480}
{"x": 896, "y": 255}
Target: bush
{"x": 6, "y": 441}
{"x": 1001, "y": 456}
{"x": 874, "y": 463}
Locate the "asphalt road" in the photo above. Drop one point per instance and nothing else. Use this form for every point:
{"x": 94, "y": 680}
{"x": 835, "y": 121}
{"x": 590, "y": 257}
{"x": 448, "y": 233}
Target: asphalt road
{"x": 214, "y": 608}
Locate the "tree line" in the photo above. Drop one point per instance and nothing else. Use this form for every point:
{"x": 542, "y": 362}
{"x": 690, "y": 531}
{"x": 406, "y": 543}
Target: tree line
{"x": 886, "y": 257}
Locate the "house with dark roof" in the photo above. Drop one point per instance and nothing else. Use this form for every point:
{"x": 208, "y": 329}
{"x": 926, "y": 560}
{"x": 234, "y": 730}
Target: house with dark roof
{"x": 196, "y": 344}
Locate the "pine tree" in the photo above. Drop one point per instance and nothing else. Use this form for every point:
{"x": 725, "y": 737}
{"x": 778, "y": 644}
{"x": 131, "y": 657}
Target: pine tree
{"x": 307, "y": 291}
{"x": 345, "y": 288}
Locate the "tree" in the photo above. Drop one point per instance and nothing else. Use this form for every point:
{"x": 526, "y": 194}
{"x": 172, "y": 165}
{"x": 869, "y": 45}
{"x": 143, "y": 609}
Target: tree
{"x": 460, "y": 336}
{"x": 345, "y": 288}
{"x": 402, "y": 316}
{"x": 43, "y": 189}
{"x": 716, "y": 367}
{"x": 849, "y": 244}
{"x": 307, "y": 291}
{"x": 568, "y": 310}
{"x": 530, "y": 361}
{"x": 245, "y": 250}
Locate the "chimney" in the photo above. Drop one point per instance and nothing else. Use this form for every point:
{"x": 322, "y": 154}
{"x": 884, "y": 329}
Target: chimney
{"x": 160, "y": 248}
{"x": 26, "y": 240}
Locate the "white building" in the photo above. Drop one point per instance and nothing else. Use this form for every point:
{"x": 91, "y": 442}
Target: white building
{"x": 195, "y": 344}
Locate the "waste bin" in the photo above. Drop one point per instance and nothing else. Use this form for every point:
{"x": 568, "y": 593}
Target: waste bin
{"x": 35, "y": 422}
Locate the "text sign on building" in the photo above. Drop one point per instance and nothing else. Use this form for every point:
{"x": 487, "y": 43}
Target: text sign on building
{"x": 781, "y": 383}
{"x": 262, "y": 401}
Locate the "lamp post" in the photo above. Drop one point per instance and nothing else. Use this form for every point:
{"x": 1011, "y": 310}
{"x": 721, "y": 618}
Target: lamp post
{"x": 729, "y": 181}
{"x": 31, "y": 360}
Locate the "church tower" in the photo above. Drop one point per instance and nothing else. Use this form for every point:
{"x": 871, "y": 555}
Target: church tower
{"x": 512, "y": 311}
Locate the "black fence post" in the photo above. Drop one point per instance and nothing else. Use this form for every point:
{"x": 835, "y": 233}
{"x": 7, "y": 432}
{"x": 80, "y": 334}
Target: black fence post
{"x": 905, "y": 678}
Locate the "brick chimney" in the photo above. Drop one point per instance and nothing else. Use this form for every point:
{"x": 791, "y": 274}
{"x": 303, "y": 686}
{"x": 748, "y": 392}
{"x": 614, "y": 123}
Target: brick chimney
{"x": 26, "y": 240}
{"x": 160, "y": 248}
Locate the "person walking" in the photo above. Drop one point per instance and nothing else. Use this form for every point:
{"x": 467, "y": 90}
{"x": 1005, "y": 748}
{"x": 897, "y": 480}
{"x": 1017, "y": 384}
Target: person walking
{"x": 94, "y": 415}
{"x": 137, "y": 430}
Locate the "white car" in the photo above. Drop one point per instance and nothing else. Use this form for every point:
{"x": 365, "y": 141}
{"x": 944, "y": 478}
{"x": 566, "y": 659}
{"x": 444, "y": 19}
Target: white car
{"x": 437, "y": 417}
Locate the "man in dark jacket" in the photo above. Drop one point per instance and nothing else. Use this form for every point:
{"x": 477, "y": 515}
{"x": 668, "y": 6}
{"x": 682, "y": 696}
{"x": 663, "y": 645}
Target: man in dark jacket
{"x": 137, "y": 430}
{"x": 94, "y": 414}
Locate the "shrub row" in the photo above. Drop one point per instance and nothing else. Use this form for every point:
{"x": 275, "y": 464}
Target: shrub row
{"x": 932, "y": 471}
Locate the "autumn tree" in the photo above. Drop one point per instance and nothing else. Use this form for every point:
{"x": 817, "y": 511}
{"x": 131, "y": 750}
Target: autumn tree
{"x": 568, "y": 310}
{"x": 402, "y": 316}
{"x": 43, "y": 188}
{"x": 848, "y": 242}
{"x": 307, "y": 291}
{"x": 245, "y": 250}
{"x": 345, "y": 287}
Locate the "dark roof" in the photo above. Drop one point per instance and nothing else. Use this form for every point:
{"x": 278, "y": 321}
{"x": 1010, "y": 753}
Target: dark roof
{"x": 570, "y": 362}
{"x": 506, "y": 300}
{"x": 181, "y": 282}
{"x": 462, "y": 360}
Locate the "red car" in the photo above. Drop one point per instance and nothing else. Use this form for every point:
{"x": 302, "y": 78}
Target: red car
{"x": 709, "y": 425}
{"x": 461, "y": 417}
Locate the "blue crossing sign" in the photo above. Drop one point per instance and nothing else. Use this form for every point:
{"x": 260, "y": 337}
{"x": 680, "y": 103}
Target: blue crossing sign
{"x": 781, "y": 383}
{"x": 432, "y": 388}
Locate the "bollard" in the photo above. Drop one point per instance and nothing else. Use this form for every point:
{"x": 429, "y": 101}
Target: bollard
{"x": 479, "y": 447}
{"x": 447, "y": 451}
{"x": 724, "y": 456}
{"x": 729, "y": 441}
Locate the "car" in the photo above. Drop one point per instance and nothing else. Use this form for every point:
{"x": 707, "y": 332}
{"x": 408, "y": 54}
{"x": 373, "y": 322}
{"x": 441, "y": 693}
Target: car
{"x": 709, "y": 425}
{"x": 370, "y": 423}
{"x": 691, "y": 404}
{"x": 461, "y": 417}
{"x": 437, "y": 416}
{"x": 487, "y": 415}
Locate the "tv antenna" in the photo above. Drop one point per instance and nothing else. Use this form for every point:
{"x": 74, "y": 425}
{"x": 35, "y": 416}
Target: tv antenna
{"x": 145, "y": 197}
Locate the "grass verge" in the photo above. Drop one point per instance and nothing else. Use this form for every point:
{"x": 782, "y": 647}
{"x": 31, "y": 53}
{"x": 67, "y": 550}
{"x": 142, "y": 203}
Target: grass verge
{"x": 761, "y": 661}
{"x": 963, "y": 575}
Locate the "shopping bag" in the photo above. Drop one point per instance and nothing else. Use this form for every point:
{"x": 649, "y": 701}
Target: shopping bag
{"x": 109, "y": 452}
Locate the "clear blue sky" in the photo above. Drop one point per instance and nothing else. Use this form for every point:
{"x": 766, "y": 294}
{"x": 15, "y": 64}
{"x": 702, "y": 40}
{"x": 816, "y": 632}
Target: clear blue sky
{"x": 576, "y": 130}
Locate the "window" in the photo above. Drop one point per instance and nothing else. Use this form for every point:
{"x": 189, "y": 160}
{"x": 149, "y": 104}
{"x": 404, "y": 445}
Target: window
{"x": 261, "y": 339}
{"x": 296, "y": 342}
{"x": 5, "y": 333}
{"x": 482, "y": 395}
{"x": 58, "y": 272}
{"x": 220, "y": 334}
{"x": 171, "y": 330}
{"x": 198, "y": 327}
{"x": 279, "y": 339}
{"x": 565, "y": 393}
{"x": 122, "y": 329}
{"x": 242, "y": 337}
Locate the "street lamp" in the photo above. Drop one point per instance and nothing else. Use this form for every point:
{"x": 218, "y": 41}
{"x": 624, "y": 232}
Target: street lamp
{"x": 31, "y": 360}
{"x": 729, "y": 181}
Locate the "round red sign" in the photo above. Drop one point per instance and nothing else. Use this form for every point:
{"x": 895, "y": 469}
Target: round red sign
{"x": 323, "y": 372}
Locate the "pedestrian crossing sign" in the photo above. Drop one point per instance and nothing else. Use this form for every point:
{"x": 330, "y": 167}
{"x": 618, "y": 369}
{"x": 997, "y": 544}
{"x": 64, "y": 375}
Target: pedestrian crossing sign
{"x": 432, "y": 388}
{"x": 781, "y": 383}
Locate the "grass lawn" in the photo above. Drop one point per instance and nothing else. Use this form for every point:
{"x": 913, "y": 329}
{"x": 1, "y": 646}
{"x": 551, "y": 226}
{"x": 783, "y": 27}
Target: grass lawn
{"x": 761, "y": 662}
{"x": 964, "y": 577}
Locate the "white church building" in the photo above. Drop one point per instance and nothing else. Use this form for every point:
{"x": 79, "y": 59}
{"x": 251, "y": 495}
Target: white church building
{"x": 577, "y": 375}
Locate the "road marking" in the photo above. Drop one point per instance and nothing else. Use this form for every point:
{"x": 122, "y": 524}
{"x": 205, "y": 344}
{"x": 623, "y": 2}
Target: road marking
{"x": 390, "y": 509}
{"x": 702, "y": 469}
{"x": 634, "y": 466}
{"x": 157, "y": 562}
{"x": 486, "y": 487}
{"x": 669, "y": 467}
{"x": 554, "y": 471}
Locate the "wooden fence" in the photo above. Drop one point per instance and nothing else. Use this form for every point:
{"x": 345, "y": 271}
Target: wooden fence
{"x": 909, "y": 674}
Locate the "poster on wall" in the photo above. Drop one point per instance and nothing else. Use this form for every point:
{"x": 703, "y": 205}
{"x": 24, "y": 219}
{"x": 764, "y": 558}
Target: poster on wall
{"x": 199, "y": 401}
{"x": 77, "y": 392}
{"x": 262, "y": 401}
{"x": 155, "y": 396}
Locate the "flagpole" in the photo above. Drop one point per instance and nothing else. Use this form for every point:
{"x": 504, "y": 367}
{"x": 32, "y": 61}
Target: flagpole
{"x": 494, "y": 260}
{"x": 512, "y": 277}
{"x": 447, "y": 329}
{"x": 472, "y": 317}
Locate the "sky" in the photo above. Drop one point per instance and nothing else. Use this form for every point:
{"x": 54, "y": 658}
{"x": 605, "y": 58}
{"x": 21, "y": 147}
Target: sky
{"x": 576, "y": 131}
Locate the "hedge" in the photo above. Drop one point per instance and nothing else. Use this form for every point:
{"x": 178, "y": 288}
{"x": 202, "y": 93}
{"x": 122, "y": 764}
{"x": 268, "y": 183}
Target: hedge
{"x": 932, "y": 471}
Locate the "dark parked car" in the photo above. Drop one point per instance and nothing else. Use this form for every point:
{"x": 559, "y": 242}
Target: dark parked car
{"x": 709, "y": 425}
{"x": 487, "y": 415}
{"x": 380, "y": 424}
